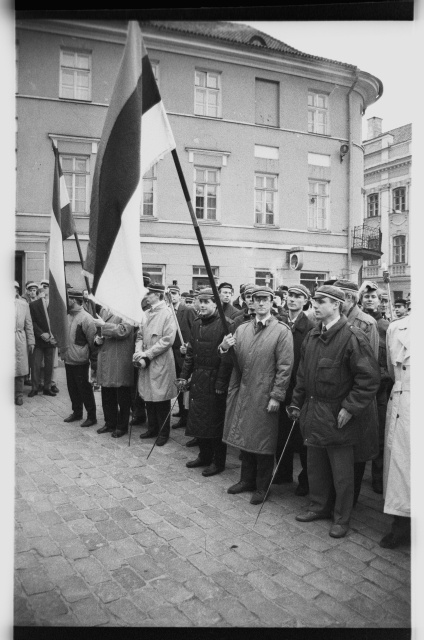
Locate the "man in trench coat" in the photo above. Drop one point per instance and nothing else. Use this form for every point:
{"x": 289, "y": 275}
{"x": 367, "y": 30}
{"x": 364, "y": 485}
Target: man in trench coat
{"x": 264, "y": 352}
{"x": 153, "y": 353}
{"x": 334, "y": 397}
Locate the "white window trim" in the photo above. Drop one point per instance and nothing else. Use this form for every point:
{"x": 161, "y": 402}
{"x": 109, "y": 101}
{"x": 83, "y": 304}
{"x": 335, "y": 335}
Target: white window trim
{"x": 82, "y": 51}
{"x": 87, "y": 184}
{"x": 401, "y": 186}
{"x": 328, "y": 221}
{"x": 321, "y": 93}
{"x": 373, "y": 193}
{"x": 276, "y": 202}
{"x": 155, "y": 197}
{"x": 392, "y": 248}
{"x": 147, "y": 267}
{"x": 266, "y": 270}
{"x": 218, "y": 194}
{"x": 219, "y": 91}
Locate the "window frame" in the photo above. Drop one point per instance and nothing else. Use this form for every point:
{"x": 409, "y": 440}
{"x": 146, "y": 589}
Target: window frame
{"x": 71, "y": 194}
{"x": 160, "y": 268}
{"x": 327, "y": 201}
{"x": 202, "y": 275}
{"x": 401, "y": 247}
{"x": 75, "y": 52}
{"x": 154, "y": 179}
{"x": 315, "y": 109}
{"x": 394, "y": 196}
{"x": 373, "y": 206}
{"x": 264, "y": 175}
{"x": 260, "y": 270}
{"x": 314, "y": 275}
{"x": 208, "y": 91}
{"x": 217, "y": 170}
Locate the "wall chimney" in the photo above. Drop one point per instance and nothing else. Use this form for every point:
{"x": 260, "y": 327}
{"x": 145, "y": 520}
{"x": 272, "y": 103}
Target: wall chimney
{"x": 375, "y": 127}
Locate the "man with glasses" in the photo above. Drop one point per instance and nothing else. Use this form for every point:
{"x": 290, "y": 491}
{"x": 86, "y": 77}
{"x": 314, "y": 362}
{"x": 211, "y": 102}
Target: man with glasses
{"x": 264, "y": 351}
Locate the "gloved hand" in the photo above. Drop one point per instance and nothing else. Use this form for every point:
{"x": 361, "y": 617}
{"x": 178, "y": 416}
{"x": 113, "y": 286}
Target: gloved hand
{"x": 181, "y": 385}
{"x": 293, "y": 412}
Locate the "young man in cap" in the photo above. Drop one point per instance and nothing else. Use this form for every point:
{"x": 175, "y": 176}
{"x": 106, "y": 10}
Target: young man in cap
{"x": 226, "y": 292}
{"x": 24, "y": 343}
{"x": 300, "y": 325}
{"x": 239, "y": 303}
{"x": 82, "y": 331}
{"x": 401, "y": 308}
{"x": 185, "y": 317}
{"x": 45, "y": 343}
{"x": 370, "y": 296}
{"x": 264, "y": 351}
{"x": 334, "y": 398}
{"x": 210, "y": 375}
{"x": 249, "y": 306}
{"x": 153, "y": 353}
{"x": 357, "y": 317}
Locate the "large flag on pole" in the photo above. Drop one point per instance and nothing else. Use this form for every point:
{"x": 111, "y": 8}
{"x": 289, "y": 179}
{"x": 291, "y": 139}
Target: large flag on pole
{"x": 136, "y": 134}
{"x": 61, "y": 227}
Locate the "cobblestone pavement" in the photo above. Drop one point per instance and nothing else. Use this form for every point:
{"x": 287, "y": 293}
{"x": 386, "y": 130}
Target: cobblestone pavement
{"x": 106, "y": 538}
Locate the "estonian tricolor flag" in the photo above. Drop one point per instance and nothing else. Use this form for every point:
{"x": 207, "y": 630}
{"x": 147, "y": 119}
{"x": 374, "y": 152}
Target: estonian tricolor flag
{"x": 135, "y": 136}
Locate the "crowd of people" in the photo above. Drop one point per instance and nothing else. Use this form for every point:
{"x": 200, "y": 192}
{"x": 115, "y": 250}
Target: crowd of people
{"x": 323, "y": 375}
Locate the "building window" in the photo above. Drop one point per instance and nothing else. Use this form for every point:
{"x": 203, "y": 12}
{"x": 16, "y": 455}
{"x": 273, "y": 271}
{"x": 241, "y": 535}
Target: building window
{"x": 75, "y": 75}
{"x": 76, "y": 171}
{"x": 264, "y": 278}
{"x": 399, "y": 199}
{"x": 372, "y": 205}
{"x": 265, "y": 198}
{"x": 373, "y": 263}
{"x": 156, "y": 271}
{"x": 206, "y": 187}
{"x": 267, "y": 103}
{"x": 200, "y": 277}
{"x": 399, "y": 250}
{"x": 318, "y": 205}
{"x": 312, "y": 280}
{"x": 317, "y": 113}
{"x": 207, "y": 94}
{"x": 149, "y": 193}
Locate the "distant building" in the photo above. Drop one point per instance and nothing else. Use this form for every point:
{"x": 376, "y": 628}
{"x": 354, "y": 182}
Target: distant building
{"x": 387, "y": 186}
{"x": 269, "y": 139}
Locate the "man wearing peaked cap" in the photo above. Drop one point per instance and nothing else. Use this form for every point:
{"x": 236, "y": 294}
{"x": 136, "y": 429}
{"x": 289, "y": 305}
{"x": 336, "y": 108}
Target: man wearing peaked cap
{"x": 153, "y": 354}
{"x": 354, "y": 314}
{"x": 334, "y": 398}
{"x": 300, "y": 326}
{"x": 401, "y": 307}
{"x": 226, "y": 291}
{"x": 249, "y": 307}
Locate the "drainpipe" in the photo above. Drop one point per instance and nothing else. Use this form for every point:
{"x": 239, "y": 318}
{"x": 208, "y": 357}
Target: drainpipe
{"x": 350, "y": 181}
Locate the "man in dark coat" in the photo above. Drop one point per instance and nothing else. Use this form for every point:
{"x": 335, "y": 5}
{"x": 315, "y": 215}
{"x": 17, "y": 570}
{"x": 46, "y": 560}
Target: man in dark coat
{"x": 239, "y": 303}
{"x": 226, "y": 292}
{"x": 334, "y": 398}
{"x": 300, "y": 326}
{"x": 45, "y": 344}
{"x": 210, "y": 375}
{"x": 185, "y": 318}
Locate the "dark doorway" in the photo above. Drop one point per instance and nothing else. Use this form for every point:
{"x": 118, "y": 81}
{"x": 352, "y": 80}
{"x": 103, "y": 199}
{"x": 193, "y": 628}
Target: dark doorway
{"x": 19, "y": 269}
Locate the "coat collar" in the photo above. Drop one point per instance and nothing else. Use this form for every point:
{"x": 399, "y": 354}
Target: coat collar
{"x": 328, "y": 335}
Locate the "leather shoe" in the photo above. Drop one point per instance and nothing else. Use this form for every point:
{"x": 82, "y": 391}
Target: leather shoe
{"x": 49, "y": 392}
{"x": 105, "y": 429}
{"x": 118, "y": 433}
{"x": 88, "y": 423}
{"x": 309, "y": 516}
{"x": 161, "y": 441}
{"x": 339, "y": 530}
{"x": 32, "y": 393}
{"x": 54, "y": 388}
{"x": 148, "y": 434}
{"x": 137, "y": 420}
{"x": 377, "y": 486}
{"x": 391, "y": 540}
{"x": 301, "y": 490}
{"x": 182, "y": 422}
{"x": 240, "y": 487}
{"x": 258, "y": 497}
{"x": 192, "y": 464}
{"x": 194, "y": 442}
{"x": 212, "y": 470}
{"x": 72, "y": 418}
{"x": 19, "y": 401}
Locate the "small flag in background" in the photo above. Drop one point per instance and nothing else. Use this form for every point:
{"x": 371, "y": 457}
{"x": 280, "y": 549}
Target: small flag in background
{"x": 61, "y": 227}
{"x": 136, "y": 134}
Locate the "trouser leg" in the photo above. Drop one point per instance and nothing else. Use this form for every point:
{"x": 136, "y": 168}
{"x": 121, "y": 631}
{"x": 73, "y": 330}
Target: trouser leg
{"x": 139, "y": 407}
{"x": 178, "y": 369}
{"x": 19, "y": 386}
{"x": 73, "y": 389}
{"x": 303, "y": 475}
{"x": 341, "y": 461}
{"x": 285, "y": 469}
{"x": 152, "y": 417}
{"x": 248, "y": 468}
{"x": 110, "y": 406}
{"x": 85, "y": 390}
{"x": 206, "y": 450}
{"x": 358, "y": 474}
{"x": 124, "y": 402}
{"x": 321, "y": 490}
{"x": 36, "y": 367}
{"x": 48, "y": 367}
{"x": 377, "y": 463}
{"x": 163, "y": 412}
{"x": 219, "y": 452}
{"x": 264, "y": 469}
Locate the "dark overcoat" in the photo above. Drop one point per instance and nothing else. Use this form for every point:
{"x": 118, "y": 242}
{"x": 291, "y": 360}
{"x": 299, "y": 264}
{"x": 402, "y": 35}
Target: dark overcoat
{"x": 338, "y": 369}
{"x": 208, "y": 372}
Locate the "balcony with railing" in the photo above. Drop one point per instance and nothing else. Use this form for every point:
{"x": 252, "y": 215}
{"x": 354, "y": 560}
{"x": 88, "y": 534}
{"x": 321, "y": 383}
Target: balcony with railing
{"x": 367, "y": 242}
{"x": 399, "y": 270}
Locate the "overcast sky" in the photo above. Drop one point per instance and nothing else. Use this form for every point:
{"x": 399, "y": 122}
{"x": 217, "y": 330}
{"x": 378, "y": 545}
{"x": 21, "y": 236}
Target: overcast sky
{"x": 384, "y": 49}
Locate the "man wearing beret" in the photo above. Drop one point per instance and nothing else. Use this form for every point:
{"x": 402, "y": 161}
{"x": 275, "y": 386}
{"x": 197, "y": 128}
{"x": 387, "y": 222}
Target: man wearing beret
{"x": 264, "y": 351}
{"x": 225, "y": 293}
{"x": 210, "y": 375}
{"x": 153, "y": 354}
{"x": 334, "y": 397}
{"x": 300, "y": 325}
{"x": 82, "y": 331}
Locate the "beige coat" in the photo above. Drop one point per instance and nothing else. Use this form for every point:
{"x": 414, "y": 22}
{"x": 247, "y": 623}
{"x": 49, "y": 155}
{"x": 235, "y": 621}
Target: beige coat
{"x": 24, "y": 336}
{"x": 397, "y": 455}
{"x": 156, "y": 337}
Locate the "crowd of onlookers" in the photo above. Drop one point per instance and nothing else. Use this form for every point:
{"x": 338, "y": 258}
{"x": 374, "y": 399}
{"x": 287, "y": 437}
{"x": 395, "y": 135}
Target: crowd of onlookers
{"x": 324, "y": 375}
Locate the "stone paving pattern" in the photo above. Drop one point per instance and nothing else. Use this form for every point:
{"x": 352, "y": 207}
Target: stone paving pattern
{"x": 105, "y": 537}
